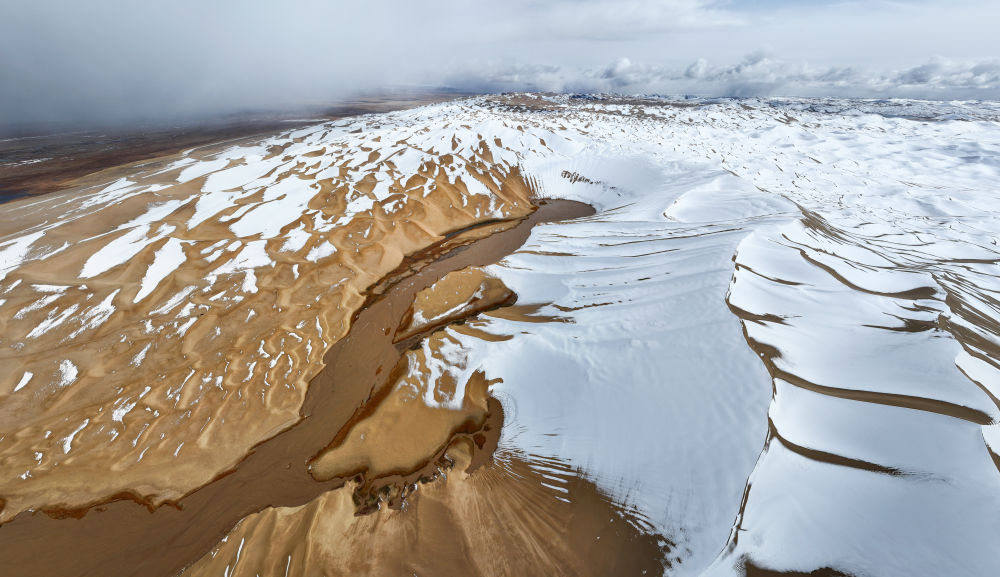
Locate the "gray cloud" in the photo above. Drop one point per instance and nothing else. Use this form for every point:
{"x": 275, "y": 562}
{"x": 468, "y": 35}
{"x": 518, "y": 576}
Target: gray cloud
{"x": 110, "y": 60}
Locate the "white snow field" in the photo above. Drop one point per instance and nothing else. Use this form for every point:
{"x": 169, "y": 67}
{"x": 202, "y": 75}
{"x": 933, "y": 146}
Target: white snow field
{"x": 853, "y": 244}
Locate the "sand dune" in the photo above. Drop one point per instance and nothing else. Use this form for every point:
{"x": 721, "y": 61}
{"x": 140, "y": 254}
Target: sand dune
{"x": 183, "y": 308}
{"x": 773, "y": 349}
{"x": 458, "y": 295}
{"x": 505, "y": 519}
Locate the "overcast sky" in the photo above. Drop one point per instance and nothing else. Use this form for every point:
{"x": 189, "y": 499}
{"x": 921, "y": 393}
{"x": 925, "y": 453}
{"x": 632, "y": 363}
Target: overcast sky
{"x": 115, "y": 60}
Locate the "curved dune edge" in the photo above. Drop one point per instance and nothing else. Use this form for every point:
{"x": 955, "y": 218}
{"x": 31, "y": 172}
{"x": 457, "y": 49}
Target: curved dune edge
{"x": 119, "y": 538}
{"x": 403, "y": 435}
{"x": 433, "y": 397}
{"x": 379, "y": 445}
{"x": 503, "y": 519}
{"x": 425, "y": 448}
{"x": 460, "y": 293}
{"x": 161, "y": 352}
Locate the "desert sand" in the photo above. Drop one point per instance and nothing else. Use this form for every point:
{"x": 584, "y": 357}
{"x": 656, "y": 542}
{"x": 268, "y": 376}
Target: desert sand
{"x": 516, "y": 335}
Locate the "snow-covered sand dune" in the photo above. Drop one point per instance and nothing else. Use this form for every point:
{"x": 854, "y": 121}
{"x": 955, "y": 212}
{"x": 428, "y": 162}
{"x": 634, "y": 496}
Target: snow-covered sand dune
{"x": 865, "y": 274}
{"x": 775, "y": 345}
{"x": 779, "y": 345}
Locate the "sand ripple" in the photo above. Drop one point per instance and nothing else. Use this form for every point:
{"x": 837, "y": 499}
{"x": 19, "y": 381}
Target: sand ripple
{"x": 160, "y": 325}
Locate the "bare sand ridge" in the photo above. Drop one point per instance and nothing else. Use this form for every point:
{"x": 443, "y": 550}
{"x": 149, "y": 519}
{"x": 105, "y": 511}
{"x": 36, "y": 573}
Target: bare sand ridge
{"x": 427, "y": 405}
{"x": 433, "y": 395}
{"x": 121, "y": 538}
{"x": 459, "y": 294}
{"x": 164, "y": 324}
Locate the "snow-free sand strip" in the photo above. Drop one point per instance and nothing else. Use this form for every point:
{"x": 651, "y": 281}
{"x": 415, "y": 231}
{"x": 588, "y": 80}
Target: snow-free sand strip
{"x": 121, "y": 538}
{"x": 173, "y": 318}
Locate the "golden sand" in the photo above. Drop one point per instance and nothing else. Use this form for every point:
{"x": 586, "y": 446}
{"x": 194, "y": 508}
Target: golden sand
{"x": 434, "y": 397}
{"x": 459, "y": 294}
{"x": 503, "y": 519}
{"x": 430, "y": 402}
{"x": 152, "y": 399}
{"x": 121, "y": 539}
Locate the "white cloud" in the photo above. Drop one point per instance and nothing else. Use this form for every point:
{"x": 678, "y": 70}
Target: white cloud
{"x": 107, "y": 59}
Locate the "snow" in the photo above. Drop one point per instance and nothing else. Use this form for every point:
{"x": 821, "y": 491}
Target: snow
{"x": 67, "y": 373}
{"x": 321, "y": 251}
{"x": 121, "y": 410}
{"x": 295, "y": 239}
{"x": 165, "y": 261}
{"x": 97, "y": 315}
{"x": 67, "y": 442}
{"x": 25, "y": 379}
{"x": 267, "y": 219}
{"x": 199, "y": 169}
{"x": 174, "y": 300}
{"x": 139, "y": 233}
{"x": 13, "y": 252}
{"x": 52, "y": 321}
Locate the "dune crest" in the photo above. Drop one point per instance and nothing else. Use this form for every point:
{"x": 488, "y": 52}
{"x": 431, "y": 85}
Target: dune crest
{"x": 522, "y": 515}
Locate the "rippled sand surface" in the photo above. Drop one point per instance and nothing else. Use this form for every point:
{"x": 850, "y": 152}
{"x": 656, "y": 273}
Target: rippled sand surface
{"x": 503, "y": 519}
{"x": 775, "y": 348}
{"x": 162, "y": 324}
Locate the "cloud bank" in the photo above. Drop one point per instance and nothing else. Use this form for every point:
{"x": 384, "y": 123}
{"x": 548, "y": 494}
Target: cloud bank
{"x": 106, "y": 61}
{"x": 758, "y": 74}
